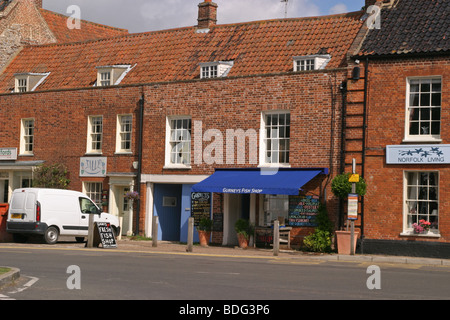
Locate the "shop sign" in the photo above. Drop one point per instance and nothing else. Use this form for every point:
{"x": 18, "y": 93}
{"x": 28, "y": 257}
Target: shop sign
{"x": 418, "y": 154}
{"x": 93, "y": 167}
{"x": 8, "y": 153}
{"x": 303, "y": 211}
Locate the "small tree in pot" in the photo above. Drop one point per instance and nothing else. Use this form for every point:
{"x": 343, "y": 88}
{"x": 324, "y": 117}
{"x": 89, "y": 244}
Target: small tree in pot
{"x": 204, "y": 231}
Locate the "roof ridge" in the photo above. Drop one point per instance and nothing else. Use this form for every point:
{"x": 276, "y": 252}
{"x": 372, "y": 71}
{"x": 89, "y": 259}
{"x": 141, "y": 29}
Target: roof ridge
{"x": 218, "y": 26}
{"x": 85, "y": 21}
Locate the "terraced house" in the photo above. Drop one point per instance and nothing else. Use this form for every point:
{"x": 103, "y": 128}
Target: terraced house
{"x": 245, "y": 117}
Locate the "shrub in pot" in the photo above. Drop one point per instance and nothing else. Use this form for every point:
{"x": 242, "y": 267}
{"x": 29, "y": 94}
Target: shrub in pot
{"x": 204, "y": 230}
{"x": 243, "y": 229}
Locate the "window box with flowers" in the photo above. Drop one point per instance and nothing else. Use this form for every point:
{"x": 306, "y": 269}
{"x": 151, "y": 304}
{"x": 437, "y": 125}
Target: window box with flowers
{"x": 132, "y": 195}
{"x": 422, "y": 227}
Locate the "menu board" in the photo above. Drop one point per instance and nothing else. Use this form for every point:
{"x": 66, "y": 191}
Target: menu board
{"x": 200, "y": 206}
{"x": 106, "y": 235}
{"x": 303, "y": 211}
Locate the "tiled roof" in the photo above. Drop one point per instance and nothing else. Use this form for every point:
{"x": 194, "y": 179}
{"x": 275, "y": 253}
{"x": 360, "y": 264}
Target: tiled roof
{"x": 411, "y": 26}
{"x": 256, "y": 47}
{"x": 87, "y": 31}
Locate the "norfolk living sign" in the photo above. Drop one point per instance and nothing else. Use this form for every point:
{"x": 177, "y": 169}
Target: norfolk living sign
{"x": 418, "y": 154}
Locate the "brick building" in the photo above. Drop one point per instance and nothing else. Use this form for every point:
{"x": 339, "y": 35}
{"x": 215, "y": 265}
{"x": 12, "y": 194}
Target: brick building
{"x": 160, "y": 112}
{"x": 401, "y": 99}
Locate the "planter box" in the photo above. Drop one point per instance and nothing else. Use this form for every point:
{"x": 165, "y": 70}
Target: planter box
{"x": 343, "y": 241}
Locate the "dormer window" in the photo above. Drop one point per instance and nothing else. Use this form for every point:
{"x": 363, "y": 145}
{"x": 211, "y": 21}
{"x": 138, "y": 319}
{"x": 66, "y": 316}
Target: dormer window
{"x": 314, "y": 62}
{"x": 112, "y": 75}
{"x": 25, "y": 82}
{"x": 215, "y": 69}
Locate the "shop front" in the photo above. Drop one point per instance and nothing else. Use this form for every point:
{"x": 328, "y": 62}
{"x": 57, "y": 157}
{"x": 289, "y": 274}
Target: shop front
{"x": 262, "y": 196}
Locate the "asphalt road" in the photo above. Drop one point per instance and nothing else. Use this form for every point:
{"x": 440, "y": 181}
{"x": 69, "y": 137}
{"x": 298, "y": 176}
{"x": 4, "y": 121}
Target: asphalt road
{"x": 65, "y": 274}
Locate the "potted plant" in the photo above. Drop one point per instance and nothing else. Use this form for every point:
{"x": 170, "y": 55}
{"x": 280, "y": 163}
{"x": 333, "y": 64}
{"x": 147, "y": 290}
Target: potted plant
{"x": 341, "y": 187}
{"x": 243, "y": 229}
{"x": 204, "y": 230}
{"x": 422, "y": 227}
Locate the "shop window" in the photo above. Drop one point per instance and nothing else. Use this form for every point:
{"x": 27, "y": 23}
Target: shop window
{"x": 422, "y": 198}
{"x": 94, "y": 191}
{"x": 124, "y": 131}
{"x": 423, "y": 121}
{"x": 276, "y": 207}
{"x": 95, "y": 134}
{"x": 27, "y": 137}
{"x": 178, "y": 142}
{"x": 275, "y": 138}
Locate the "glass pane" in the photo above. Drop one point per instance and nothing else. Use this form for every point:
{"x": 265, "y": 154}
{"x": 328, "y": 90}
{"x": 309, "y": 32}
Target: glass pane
{"x": 414, "y": 86}
{"x": 436, "y": 99}
{"x": 414, "y": 128}
{"x": 425, "y": 86}
{"x": 414, "y": 100}
{"x": 436, "y": 128}
{"x": 425, "y": 99}
{"x": 425, "y": 113}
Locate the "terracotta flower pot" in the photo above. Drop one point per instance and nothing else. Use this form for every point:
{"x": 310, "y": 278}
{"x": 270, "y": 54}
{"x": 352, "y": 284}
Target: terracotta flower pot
{"x": 204, "y": 237}
{"x": 343, "y": 241}
{"x": 243, "y": 241}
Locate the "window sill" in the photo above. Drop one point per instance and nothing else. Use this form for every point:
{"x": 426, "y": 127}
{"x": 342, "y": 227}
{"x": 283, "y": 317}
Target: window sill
{"x": 430, "y": 234}
{"x": 123, "y": 153}
{"x": 177, "y": 167}
{"x": 26, "y": 155}
{"x": 274, "y": 165}
{"x": 422, "y": 140}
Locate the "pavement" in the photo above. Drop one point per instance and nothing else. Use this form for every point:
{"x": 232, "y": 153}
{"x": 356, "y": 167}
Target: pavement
{"x": 175, "y": 248}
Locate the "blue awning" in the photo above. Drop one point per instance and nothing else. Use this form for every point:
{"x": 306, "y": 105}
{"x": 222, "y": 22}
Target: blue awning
{"x": 288, "y": 181}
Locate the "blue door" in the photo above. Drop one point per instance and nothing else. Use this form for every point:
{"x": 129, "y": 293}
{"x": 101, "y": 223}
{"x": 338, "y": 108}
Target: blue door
{"x": 167, "y": 200}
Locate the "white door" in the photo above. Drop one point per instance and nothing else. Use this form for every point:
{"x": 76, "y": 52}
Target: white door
{"x": 124, "y": 212}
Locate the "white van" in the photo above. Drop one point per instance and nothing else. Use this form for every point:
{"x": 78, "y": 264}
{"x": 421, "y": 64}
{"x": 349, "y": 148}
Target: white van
{"x": 53, "y": 212}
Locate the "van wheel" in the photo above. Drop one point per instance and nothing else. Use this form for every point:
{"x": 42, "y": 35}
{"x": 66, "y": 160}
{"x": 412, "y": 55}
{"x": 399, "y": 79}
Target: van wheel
{"x": 51, "y": 235}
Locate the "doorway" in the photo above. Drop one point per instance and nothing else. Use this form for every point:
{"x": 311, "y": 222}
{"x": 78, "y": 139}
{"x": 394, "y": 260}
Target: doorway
{"x": 124, "y": 206}
{"x": 237, "y": 206}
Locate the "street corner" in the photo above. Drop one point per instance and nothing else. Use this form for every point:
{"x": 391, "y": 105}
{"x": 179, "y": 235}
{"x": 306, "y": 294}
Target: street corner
{"x": 9, "y": 276}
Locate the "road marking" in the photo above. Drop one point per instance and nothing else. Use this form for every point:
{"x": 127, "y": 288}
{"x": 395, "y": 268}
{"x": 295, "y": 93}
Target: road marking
{"x": 3, "y": 297}
{"x": 26, "y": 285}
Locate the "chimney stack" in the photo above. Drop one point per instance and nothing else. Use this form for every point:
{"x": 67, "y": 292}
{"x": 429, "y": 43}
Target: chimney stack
{"x": 207, "y": 14}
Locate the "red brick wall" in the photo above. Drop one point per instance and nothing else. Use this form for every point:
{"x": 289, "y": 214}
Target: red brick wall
{"x": 383, "y": 215}
{"x": 61, "y": 125}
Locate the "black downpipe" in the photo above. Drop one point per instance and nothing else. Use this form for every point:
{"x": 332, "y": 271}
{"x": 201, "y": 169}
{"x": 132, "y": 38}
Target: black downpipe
{"x": 363, "y": 165}
{"x": 343, "y": 89}
{"x": 139, "y": 171}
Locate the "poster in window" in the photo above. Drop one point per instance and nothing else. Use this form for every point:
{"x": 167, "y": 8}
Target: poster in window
{"x": 303, "y": 211}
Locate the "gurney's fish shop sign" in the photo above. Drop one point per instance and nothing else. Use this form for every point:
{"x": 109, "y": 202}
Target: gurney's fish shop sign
{"x": 418, "y": 154}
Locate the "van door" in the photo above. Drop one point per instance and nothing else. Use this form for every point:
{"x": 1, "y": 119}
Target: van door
{"x": 23, "y": 207}
{"x": 60, "y": 210}
{"x": 86, "y": 208}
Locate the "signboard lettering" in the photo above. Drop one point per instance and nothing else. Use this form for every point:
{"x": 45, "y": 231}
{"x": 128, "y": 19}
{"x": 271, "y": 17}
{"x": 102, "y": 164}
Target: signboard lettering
{"x": 106, "y": 235}
{"x": 200, "y": 206}
{"x": 418, "y": 154}
{"x": 303, "y": 211}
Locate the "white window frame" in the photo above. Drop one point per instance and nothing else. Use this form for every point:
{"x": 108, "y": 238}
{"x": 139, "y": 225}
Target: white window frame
{"x": 216, "y": 69}
{"x": 91, "y": 134}
{"x": 422, "y": 136}
{"x": 172, "y": 143}
{"x": 263, "y": 160}
{"x": 94, "y": 191}
{"x": 412, "y": 189}
{"x": 26, "y": 82}
{"x": 120, "y": 134}
{"x": 27, "y": 142}
{"x": 112, "y": 75}
{"x": 312, "y": 62}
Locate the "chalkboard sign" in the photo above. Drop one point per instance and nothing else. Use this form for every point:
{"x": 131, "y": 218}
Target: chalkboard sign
{"x": 218, "y": 222}
{"x": 200, "y": 206}
{"x": 303, "y": 211}
{"x": 105, "y": 234}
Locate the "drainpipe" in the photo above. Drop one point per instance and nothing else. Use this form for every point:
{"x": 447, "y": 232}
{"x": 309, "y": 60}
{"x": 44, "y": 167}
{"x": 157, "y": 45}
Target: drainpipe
{"x": 139, "y": 172}
{"x": 343, "y": 89}
{"x": 363, "y": 165}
